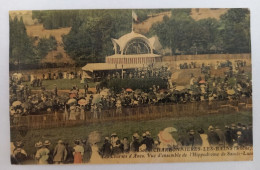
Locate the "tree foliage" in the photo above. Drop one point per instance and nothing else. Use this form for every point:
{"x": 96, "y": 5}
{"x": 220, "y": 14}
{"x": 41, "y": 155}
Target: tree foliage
{"x": 54, "y": 19}
{"x": 45, "y": 45}
{"x": 21, "y": 45}
{"x": 90, "y": 36}
{"x": 235, "y": 31}
{"x": 89, "y": 39}
{"x": 182, "y": 34}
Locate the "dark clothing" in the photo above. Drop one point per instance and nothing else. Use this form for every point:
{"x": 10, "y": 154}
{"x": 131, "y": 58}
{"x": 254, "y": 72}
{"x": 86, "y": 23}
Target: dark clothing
{"x": 135, "y": 146}
{"x": 250, "y": 136}
{"x": 50, "y": 159}
{"x": 213, "y": 138}
{"x": 148, "y": 142}
{"x": 106, "y": 150}
{"x": 228, "y": 137}
{"x": 233, "y": 134}
{"x": 87, "y": 152}
{"x": 116, "y": 150}
{"x": 19, "y": 156}
{"x": 70, "y": 157}
{"x": 194, "y": 140}
{"x": 197, "y": 140}
{"x": 184, "y": 140}
{"x": 240, "y": 141}
{"x": 14, "y": 160}
{"x": 221, "y": 136}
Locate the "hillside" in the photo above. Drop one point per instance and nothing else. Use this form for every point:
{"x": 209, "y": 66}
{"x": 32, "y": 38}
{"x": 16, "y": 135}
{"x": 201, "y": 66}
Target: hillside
{"x": 202, "y": 13}
{"x": 39, "y": 32}
{"x": 27, "y": 17}
{"x": 34, "y": 29}
{"x": 196, "y": 14}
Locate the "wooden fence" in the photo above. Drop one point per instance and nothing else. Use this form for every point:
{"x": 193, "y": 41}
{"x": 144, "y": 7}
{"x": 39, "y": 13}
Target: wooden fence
{"x": 148, "y": 112}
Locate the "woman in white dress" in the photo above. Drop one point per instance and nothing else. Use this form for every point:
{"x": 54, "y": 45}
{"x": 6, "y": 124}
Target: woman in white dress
{"x": 204, "y": 137}
{"x": 72, "y": 113}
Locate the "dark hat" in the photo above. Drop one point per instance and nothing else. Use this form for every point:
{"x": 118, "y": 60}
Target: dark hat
{"x": 19, "y": 144}
{"x": 77, "y": 141}
{"x": 201, "y": 131}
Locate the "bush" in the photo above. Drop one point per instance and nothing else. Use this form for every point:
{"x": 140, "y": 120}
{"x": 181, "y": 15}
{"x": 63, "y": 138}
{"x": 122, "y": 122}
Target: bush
{"x": 136, "y": 83}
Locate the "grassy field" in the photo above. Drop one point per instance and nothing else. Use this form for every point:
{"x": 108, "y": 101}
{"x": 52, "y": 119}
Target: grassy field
{"x": 62, "y": 84}
{"x": 126, "y": 129}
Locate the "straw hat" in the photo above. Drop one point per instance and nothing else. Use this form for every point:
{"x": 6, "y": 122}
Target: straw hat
{"x": 239, "y": 133}
{"x": 113, "y": 134}
{"x": 60, "y": 142}
{"x": 135, "y": 135}
{"x": 210, "y": 127}
{"x": 38, "y": 144}
{"x": 47, "y": 143}
{"x": 192, "y": 132}
{"x": 148, "y": 133}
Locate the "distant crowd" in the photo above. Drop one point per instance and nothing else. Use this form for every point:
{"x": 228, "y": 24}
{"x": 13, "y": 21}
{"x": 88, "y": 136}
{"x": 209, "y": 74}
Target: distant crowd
{"x": 146, "y": 72}
{"x": 235, "y": 85}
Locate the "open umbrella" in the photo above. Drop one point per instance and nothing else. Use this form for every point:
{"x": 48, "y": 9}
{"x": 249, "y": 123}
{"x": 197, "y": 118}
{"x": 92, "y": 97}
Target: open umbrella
{"x": 41, "y": 106}
{"x": 179, "y": 88}
{"x": 151, "y": 95}
{"x": 62, "y": 100}
{"x": 166, "y": 139}
{"x": 82, "y": 102}
{"x": 49, "y": 103}
{"x": 73, "y": 93}
{"x": 94, "y": 137}
{"x": 170, "y": 129}
{"x": 129, "y": 90}
{"x": 71, "y": 101}
{"x": 231, "y": 91}
{"x": 96, "y": 98}
{"x": 138, "y": 91}
{"x": 105, "y": 92}
{"x": 26, "y": 105}
{"x": 16, "y": 103}
{"x": 202, "y": 81}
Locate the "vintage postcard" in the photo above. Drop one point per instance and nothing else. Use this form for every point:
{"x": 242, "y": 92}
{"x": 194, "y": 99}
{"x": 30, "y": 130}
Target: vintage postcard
{"x": 130, "y": 86}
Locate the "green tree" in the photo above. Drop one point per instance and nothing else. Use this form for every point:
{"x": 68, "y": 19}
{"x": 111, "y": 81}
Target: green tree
{"x": 235, "y": 30}
{"x": 176, "y": 32}
{"x": 45, "y": 45}
{"x": 206, "y": 34}
{"x": 21, "y": 45}
{"x": 90, "y": 37}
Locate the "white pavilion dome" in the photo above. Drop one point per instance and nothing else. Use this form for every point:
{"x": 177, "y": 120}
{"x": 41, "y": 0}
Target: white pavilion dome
{"x": 132, "y": 41}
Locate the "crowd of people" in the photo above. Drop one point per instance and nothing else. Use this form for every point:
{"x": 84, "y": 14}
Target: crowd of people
{"x": 146, "y": 72}
{"x": 217, "y": 65}
{"x": 235, "y": 85}
{"x": 84, "y": 151}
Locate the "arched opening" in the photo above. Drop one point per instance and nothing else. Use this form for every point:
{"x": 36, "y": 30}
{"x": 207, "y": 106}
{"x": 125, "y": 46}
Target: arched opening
{"x": 137, "y": 46}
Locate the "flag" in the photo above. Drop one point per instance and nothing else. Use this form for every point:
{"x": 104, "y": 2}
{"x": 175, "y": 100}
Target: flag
{"x": 134, "y": 16}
